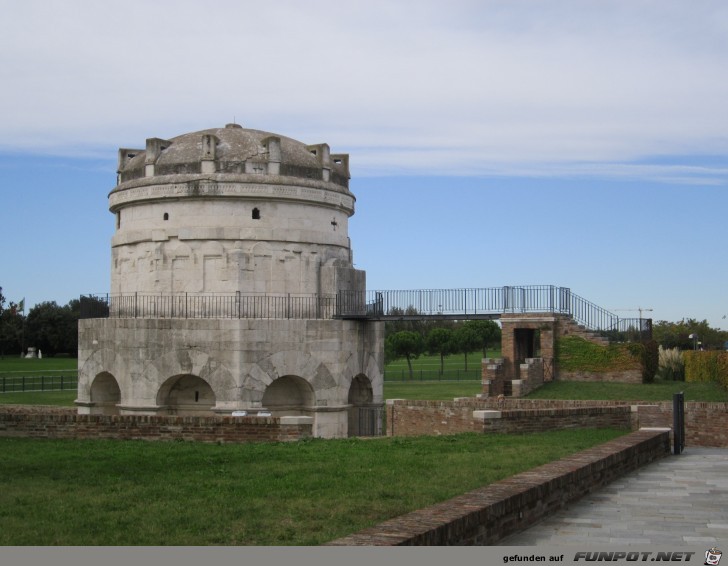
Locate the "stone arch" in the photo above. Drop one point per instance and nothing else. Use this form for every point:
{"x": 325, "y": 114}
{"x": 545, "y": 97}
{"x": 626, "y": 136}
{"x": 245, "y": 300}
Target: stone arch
{"x": 101, "y": 361}
{"x": 289, "y": 395}
{"x": 105, "y": 394}
{"x": 363, "y": 416}
{"x": 186, "y": 394}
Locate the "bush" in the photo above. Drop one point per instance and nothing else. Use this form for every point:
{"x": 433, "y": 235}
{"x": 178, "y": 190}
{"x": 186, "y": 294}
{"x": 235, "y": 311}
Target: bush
{"x": 650, "y": 361}
{"x": 671, "y": 365}
{"x": 706, "y": 366}
{"x": 574, "y": 353}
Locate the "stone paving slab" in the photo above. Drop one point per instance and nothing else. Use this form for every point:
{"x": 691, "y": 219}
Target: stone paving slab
{"x": 681, "y": 499}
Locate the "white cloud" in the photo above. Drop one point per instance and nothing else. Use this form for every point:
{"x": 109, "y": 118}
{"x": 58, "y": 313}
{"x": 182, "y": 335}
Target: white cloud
{"x": 444, "y": 87}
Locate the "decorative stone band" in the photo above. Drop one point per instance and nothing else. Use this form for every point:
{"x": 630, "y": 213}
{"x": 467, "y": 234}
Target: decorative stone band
{"x": 213, "y": 189}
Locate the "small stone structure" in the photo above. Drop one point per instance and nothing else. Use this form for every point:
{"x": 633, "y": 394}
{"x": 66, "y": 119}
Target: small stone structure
{"x": 230, "y": 245}
{"x": 528, "y": 354}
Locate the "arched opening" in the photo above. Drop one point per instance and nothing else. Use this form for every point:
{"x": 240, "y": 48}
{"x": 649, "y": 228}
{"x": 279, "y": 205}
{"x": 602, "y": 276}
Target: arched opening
{"x": 256, "y": 214}
{"x": 105, "y": 395}
{"x": 187, "y": 395}
{"x": 365, "y": 419}
{"x": 289, "y": 395}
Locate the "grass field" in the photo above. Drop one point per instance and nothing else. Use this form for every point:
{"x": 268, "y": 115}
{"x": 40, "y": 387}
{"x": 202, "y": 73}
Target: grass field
{"x": 11, "y": 366}
{"x": 56, "y": 492}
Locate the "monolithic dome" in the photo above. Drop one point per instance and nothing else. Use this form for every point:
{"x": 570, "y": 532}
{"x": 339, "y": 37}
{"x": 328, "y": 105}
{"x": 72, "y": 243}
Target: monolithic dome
{"x": 229, "y": 263}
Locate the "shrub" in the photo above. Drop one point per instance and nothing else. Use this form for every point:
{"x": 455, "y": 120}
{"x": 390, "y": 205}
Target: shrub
{"x": 706, "y": 366}
{"x": 671, "y": 365}
{"x": 578, "y": 354}
{"x": 650, "y": 361}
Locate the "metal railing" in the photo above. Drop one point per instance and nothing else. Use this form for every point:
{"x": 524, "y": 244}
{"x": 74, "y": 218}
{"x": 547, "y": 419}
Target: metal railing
{"x": 488, "y": 302}
{"x": 401, "y": 374}
{"x": 194, "y": 305}
{"x": 18, "y": 383}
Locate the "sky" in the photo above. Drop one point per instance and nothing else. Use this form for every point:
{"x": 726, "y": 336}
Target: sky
{"x": 577, "y": 143}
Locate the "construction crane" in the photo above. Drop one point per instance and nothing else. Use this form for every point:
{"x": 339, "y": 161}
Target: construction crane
{"x": 641, "y": 310}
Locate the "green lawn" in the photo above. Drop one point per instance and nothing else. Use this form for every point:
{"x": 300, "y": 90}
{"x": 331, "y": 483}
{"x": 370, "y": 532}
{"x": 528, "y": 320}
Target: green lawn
{"x": 61, "y": 492}
{"x": 658, "y": 391}
{"x": 47, "y": 366}
{"x": 431, "y": 390}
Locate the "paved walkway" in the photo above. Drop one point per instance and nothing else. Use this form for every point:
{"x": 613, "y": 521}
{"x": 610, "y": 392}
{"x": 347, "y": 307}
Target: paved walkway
{"x": 679, "y": 500}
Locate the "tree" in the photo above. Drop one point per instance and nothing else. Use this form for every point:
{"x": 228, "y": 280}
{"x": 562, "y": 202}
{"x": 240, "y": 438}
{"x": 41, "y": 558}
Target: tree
{"x": 488, "y": 332}
{"x": 677, "y": 334}
{"x": 404, "y": 344}
{"x": 11, "y": 327}
{"x": 466, "y": 339}
{"x": 53, "y": 329}
{"x": 439, "y": 341}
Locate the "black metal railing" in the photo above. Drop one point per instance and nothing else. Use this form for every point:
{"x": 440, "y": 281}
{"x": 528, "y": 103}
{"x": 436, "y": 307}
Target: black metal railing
{"x": 193, "y": 305}
{"x": 18, "y": 383}
{"x": 421, "y": 303}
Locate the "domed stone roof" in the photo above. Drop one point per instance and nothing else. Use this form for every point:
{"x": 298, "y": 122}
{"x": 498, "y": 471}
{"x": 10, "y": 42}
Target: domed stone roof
{"x": 233, "y": 150}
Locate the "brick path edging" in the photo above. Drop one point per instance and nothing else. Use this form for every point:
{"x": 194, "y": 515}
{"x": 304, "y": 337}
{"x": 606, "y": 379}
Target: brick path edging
{"x": 486, "y": 515}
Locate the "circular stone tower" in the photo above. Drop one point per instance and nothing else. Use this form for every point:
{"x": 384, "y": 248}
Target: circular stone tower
{"x": 230, "y": 259}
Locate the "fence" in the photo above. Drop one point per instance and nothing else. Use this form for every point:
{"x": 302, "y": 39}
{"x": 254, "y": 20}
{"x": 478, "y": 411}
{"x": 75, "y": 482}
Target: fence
{"x": 433, "y": 375}
{"x": 18, "y": 383}
{"x": 380, "y": 305}
{"x": 208, "y": 305}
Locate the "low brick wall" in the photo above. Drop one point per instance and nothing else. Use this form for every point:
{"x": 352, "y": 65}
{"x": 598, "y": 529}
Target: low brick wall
{"x": 31, "y": 423}
{"x": 538, "y": 420}
{"x": 622, "y": 376}
{"x": 488, "y": 514}
{"x": 706, "y": 424}
{"x": 411, "y": 418}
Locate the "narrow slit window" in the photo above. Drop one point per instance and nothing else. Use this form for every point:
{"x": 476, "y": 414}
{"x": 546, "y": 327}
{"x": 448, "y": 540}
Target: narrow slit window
{"x": 166, "y": 215}
{"x": 256, "y": 214}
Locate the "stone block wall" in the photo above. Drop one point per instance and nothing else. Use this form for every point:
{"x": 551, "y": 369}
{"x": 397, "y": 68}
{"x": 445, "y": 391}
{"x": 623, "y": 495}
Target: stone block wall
{"x": 487, "y": 515}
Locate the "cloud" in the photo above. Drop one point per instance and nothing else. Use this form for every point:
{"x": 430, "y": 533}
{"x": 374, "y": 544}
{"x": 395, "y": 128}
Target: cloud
{"x": 439, "y": 87}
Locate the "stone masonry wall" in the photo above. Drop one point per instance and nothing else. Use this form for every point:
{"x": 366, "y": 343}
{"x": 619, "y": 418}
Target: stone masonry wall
{"x": 488, "y": 514}
{"x": 33, "y": 424}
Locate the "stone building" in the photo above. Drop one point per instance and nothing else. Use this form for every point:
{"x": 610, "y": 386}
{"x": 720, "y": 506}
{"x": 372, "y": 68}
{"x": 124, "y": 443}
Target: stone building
{"x": 229, "y": 261}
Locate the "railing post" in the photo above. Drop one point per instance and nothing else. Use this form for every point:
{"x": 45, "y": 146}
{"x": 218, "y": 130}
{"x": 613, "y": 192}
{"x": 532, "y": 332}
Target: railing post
{"x": 678, "y": 422}
{"x": 135, "y": 304}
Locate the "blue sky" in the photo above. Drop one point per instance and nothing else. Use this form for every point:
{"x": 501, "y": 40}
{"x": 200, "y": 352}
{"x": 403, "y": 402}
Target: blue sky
{"x": 576, "y": 143}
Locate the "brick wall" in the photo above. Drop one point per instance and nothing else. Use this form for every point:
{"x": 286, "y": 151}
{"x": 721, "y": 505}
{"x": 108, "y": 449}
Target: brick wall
{"x": 488, "y": 514}
{"x": 538, "y": 420}
{"x": 409, "y": 418}
{"x": 31, "y": 423}
{"x": 706, "y": 424}
{"x": 622, "y": 376}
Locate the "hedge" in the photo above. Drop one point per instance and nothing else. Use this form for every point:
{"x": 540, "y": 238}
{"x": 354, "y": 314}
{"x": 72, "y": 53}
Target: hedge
{"x": 706, "y": 366}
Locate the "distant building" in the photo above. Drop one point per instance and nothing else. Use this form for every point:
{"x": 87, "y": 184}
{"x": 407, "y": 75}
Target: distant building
{"x": 230, "y": 252}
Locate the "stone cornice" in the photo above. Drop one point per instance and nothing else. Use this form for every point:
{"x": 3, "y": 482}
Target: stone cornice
{"x": 206, "y": 188}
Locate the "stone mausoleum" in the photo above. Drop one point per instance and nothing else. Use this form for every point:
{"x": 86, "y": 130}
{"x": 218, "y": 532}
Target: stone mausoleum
{"x": 229, "y": 263}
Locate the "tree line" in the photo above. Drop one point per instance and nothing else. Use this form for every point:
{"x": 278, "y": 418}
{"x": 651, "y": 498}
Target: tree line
{"x": 49, "y": 327}
{"x": 409, "y": 339}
